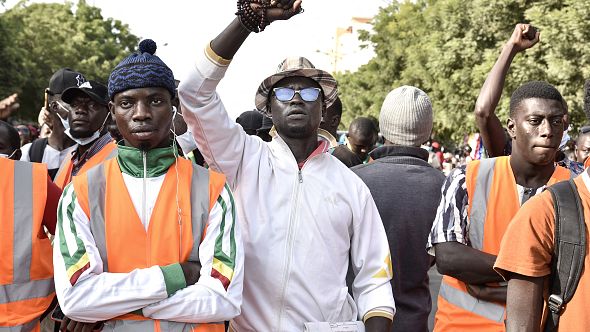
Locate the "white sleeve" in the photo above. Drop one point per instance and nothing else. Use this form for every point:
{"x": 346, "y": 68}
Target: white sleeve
{"x": 25, "y": 152}
{"x": 223, "y": 143}
{"x": 217, "y": 296}
{"x": 84, "y": 291}
{"x": 371, "y": 261}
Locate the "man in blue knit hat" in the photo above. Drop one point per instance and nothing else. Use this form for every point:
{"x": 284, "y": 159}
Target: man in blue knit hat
{"x": 147, "y": 240}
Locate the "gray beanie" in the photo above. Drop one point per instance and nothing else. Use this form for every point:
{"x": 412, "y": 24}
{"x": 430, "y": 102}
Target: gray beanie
{"x": 406, "y": 116}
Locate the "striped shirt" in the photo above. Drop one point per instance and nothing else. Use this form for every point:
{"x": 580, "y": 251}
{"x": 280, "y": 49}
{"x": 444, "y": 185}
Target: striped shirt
{"x": 78, "y": 160}
{"x": 451, "y": 223}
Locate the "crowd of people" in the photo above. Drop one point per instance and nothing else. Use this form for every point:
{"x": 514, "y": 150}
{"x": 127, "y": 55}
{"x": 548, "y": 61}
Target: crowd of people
{"x": 147, "y": 208}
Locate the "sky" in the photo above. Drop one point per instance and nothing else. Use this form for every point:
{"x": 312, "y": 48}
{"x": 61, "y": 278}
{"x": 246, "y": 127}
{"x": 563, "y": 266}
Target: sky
{"x": 182, "y": 29}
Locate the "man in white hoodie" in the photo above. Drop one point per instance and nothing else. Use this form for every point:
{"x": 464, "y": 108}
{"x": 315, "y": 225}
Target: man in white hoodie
{"x": 304, "y": 214}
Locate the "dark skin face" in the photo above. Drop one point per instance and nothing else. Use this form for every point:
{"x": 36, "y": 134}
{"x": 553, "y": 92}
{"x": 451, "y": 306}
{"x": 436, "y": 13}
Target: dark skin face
{"x": 9, "y": 142}
{"x": 536, "y": 130}
{"x": 296, "y": 118}
{"x": 583, "y": 148}
{"x": 361, "y": 143}
{"x": 86, "y": 116}
{"x": 331, "y": 120}
{"x": 144, "y": 117}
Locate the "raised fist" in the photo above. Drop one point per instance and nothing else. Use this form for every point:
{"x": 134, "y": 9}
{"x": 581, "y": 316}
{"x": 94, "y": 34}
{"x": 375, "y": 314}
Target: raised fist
{"x": 524, "y": 36}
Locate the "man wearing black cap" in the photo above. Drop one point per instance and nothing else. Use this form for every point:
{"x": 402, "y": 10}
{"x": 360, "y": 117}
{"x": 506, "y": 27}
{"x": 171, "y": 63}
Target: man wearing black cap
{"x": 250, "y": 121}
{"x": 86, "y": 120}
{"x": 53, "y": 150}
{"x": 300, "y": 230}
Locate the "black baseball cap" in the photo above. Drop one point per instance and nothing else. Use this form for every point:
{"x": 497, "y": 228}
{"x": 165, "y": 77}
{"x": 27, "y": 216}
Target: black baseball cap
{"x": 63, "y": 79}
{"x": 266, "y": 123}
{"x": 250, "y": 120}
{"x": 95, "y": 90}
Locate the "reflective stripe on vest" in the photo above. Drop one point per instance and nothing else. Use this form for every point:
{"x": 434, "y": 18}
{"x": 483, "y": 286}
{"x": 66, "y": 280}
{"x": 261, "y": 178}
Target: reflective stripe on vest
{"x": 26, "y": 291}
{"x": 20, "y": 328}
{"x": 26, "y": 275}
{"x": 199, "y": 207}
{"x": 96, "y": 201}
{"x": 63, "y": 176}
{"x": 23, "y": 228}
{"x": 479, "y": 208}
{"x": 491, "y": 311}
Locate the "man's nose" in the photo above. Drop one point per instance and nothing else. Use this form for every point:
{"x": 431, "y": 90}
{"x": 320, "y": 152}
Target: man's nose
{"x": 546, "y": 129}
{"x": 142, "y": 112}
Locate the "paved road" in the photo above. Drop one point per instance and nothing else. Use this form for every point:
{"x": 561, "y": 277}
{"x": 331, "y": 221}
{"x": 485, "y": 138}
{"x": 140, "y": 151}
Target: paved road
{"x": 435, "y": 278}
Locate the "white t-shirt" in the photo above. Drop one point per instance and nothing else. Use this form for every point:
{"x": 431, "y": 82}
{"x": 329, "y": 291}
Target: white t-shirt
{"x": 51, "y": 157}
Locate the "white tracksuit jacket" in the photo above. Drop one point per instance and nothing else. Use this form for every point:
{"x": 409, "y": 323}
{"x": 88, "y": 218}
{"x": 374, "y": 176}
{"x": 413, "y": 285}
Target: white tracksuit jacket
{"x": 299, "y": 227}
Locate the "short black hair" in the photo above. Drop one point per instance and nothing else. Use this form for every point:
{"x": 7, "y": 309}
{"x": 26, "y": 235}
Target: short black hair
{"x": 535, "y": 89}
{"x": 12, "y": 135}
{"x": 363, "y": 125}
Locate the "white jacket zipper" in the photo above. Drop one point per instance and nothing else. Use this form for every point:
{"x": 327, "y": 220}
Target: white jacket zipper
{"x": 290, "y": 238}
{"x": 143, "y": 195}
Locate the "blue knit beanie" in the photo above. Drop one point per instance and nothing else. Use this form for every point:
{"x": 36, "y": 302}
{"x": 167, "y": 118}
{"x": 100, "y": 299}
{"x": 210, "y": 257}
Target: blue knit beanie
{"x": 141, "y": 70}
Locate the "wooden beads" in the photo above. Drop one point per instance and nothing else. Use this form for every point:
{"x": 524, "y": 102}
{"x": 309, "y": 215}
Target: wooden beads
{"x": 251, "y": 20}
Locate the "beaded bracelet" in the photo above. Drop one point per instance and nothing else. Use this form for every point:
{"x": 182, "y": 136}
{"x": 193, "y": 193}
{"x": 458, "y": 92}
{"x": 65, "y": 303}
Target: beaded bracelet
{"x": 251, "y": 20}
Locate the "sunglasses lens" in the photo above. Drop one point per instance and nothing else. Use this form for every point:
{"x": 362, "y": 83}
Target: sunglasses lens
{"x": 310, "y": 94}
{"x": 284, "y": 94}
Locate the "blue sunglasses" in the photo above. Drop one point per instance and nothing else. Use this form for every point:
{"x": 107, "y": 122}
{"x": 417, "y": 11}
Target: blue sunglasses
{"x": 287, "y": 94}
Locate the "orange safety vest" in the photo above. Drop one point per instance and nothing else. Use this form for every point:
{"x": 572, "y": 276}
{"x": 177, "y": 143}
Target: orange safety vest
{"x": 64, "y": 174}
{"x": 493, "y": 201}
{"x": 124, "y": 244}
{"x": 26, "y": 266}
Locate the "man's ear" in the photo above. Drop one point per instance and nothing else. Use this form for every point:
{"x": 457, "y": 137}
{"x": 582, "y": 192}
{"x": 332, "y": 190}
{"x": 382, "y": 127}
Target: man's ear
{"x": 335, "y": 121}
{"x": 53, "y": 107}
{"x": 175, "y": 102}
{"x": 510, "y": 125}
{"x": 112, "y": 108}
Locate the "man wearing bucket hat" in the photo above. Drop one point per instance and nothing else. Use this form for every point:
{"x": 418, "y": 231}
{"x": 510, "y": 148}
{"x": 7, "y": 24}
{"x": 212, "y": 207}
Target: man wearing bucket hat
{"x": 300, "y": 230}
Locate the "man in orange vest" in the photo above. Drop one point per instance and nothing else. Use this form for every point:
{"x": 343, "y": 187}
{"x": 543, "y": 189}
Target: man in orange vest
{"x": 479, "y": 200}
{"x": 146, "y": 240}
{"x": 29, "y": 204}
{"x": 86, "y": 126}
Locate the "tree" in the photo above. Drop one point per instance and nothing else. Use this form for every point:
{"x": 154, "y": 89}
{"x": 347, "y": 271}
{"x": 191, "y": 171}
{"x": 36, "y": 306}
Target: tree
{"x": 38, "y": 39}
{"x": 447, "y": 47}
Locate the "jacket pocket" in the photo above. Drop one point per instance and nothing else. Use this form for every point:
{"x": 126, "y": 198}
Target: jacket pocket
{"x": 344, "y": 309}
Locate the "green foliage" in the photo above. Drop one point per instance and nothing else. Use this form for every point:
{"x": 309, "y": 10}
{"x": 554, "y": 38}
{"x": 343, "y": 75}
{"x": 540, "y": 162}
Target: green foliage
{"x": 38, "y": 39}
{"x": 447, "y": 47}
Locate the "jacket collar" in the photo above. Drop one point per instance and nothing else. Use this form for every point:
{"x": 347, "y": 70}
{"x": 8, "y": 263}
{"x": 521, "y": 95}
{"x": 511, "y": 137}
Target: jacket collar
{"x": 158, "y": 161}
{"x": 399, "y": 151}
{"x": 279, "y": 144}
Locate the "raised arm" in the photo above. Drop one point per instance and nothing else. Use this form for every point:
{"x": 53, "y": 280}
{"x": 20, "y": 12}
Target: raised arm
{"x": 227, "y": 43}
{"x": 223, "y": 143}
{"x": 490, "y": 127}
